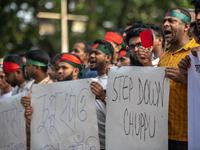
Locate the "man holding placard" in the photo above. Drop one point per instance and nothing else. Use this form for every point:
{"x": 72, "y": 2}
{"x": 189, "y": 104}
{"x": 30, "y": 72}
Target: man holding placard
{"x": 100, "y": 58}
{"x": 176, "y": 25}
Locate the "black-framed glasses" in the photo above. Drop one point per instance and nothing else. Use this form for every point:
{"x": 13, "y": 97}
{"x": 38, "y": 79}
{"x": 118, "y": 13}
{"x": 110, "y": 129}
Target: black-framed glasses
{"x": 132, "y": 46}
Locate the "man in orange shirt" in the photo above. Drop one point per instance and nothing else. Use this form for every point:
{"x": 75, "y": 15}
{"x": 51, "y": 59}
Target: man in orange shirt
{"x": 176, "y": 25}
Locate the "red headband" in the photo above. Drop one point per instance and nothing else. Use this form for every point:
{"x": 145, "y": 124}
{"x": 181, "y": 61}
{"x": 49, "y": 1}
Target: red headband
{"x": 10, "y": 66}
{"x": 71, "y": 58}
{"x": 122, "y": 53}
{"x": 113, "y": 37}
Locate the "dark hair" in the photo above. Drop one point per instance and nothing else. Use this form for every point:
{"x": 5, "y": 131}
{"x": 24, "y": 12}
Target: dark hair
{"x": 107, "y": 45}
{"x": 119, "y": 31}
{"x": 193, "y": 24}
{"x": 55, "y": 58}
{"x": 195, "y": 31}
{"x": 39, "y": 55}
{"x": 183, "y": 11}
{"x": 22, "y": 54}
{"x": 88, "y": 46}
{"x": 139, "y": 25}
{"x": 196, "y": 3}
{"x": 133, "y": 22}
{"x": 158, "y": 32}
{"x": 135, "y": 33}
{"x": 14, "y": 58}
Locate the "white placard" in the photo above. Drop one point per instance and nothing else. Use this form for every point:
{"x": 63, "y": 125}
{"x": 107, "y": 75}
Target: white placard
{"x": 12, "y": 124}
{"x": 64, "y": 116}
{"x": 194, "y": 103}
{"x": 137, "y": 109}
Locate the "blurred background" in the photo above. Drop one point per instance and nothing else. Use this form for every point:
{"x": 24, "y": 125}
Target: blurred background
{"x": 24, "y": 26}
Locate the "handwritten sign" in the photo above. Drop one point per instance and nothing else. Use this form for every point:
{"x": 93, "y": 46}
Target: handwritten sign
{"x": 12, "y": 124}
{"x": 194, "y": 103}
{"x": 64, "y": 116}
{"x": 137, "y": 109}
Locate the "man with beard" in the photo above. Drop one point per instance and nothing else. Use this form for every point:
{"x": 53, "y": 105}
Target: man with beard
{"x": 184, "y": 64}
{"x": 100, "y": 58}
{"x": 14, "y": 69}
{"x": 176, "y": 25}
{"x": 70, "y": 67}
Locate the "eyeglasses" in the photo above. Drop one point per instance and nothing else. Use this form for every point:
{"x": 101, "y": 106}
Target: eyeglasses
{"x": 132, "y": 46}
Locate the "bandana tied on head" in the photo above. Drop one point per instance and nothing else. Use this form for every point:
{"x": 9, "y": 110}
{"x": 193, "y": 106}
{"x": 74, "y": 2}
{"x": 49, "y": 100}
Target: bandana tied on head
{"x": 34, "y": 62}
{"x": 74, "y": 61}
{"x": 102, "y": 48}
{"x": 114, "y": 37}
{"x": 124, "y": 53}
{"x": 178, "y": 15}
{"x": 11, "y": 66}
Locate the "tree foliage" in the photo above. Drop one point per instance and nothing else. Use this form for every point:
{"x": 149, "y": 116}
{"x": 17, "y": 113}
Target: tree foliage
{"x": 20, "y": 32}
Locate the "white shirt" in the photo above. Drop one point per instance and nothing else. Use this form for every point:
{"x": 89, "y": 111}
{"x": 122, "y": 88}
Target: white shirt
{"x": 101, "y": 112}
{"x": 9, "y": 94}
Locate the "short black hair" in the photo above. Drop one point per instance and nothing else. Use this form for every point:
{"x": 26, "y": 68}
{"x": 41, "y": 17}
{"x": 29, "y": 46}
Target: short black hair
{"x": 55, "y": 58}
{"x": 39, "y": 55}
{"x": 158, "y": 32}
{"x": 119, "y": 31}
{"x": 88, "y": 46}
{"x": 196, "y": 3}
{"x": 22, "y": 54}
{"x": 139, "y": 25}
{"x": 16, "y": 59}
{"x": 106, "y": 44}
{"x": 135, "y": 33}
{"x": 193, "y": 24}
{"x": 183, "y": 11}
{"x": 133, "y": 22}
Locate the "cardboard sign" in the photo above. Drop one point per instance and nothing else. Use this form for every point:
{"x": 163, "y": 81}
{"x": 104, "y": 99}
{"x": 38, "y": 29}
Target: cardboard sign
{"x": 146, "y": 38}
{"x": 194, "y": 103}
{"x": 137, "y": 109}
{"x": 64, "y": 116}
{"x": 12, "y": 123}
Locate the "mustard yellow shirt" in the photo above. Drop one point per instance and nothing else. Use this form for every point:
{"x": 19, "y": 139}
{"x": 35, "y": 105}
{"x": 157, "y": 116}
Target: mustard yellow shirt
{"x": 177, "y": 119}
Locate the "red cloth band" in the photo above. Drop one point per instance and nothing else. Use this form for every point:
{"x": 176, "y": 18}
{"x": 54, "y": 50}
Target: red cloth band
{"x": 113, "y": 37}
{"x": 95, "y": 46}
{"x": 122, "y": 53}
{"x": 10, "y": 66}
{"x": 71, "y": 58}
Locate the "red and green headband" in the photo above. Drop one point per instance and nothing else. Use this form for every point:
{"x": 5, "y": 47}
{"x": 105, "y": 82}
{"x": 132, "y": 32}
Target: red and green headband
{"x": 34, "y": 62}
{"x": 11, "y": 66}
{"x": 74, "y": 61}
{"x": 178, "y": 15}
{"x": 124, "y": 53}
{"x": 101, "y": 48}
{"x": 114, "y": 37}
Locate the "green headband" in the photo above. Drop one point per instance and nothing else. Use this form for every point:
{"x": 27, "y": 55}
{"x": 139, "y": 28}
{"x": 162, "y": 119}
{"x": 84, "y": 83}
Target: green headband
{"x": 80, "y": 67}
{"x": 178, "y": 15}
{"x": 102, "y": 48}
{"x": 33, "y": 62}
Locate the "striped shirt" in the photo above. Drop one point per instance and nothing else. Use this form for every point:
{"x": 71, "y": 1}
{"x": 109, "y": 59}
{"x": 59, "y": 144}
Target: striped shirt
{"x": 177, "y": 119}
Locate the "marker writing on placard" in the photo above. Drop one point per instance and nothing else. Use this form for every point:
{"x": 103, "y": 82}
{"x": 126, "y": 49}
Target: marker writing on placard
{"x": 123, "y": 91}
{"x": 139, "y": 124}
{"x": 14, "y": 146}
{"x": 151, "y": 94}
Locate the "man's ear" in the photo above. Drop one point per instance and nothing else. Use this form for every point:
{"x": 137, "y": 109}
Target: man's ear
{"x": 160, "y": 40}
{"x": 75, "y": 73}
{"x": 119, "y": 47}
{"x": 108, "y": 58}
{"x": 87, "y": 56}
{"x": 187, "y": 27}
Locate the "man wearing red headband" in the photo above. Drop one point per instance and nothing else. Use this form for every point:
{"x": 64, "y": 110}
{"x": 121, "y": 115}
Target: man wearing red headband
{"x": 70, "y": 67}
{"x": 13, "y": 67}
{"x": 117, "y": 42}
{"x": 123, "y": 58}
{"x": 100, "y": 58}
